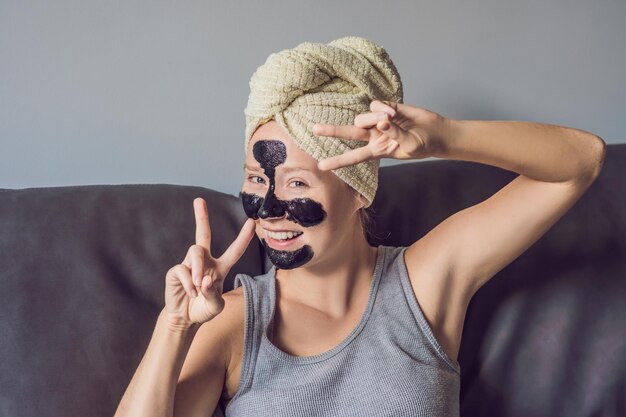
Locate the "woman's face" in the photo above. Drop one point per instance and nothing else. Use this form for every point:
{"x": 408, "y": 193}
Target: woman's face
{"x": 284, "y": 191}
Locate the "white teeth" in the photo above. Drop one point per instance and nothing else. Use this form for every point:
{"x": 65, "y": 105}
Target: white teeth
{"x": 282, "y": 235}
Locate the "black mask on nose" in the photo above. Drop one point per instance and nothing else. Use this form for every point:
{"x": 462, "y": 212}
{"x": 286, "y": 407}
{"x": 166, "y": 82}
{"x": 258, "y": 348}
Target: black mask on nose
{"x": 303, "y": 211}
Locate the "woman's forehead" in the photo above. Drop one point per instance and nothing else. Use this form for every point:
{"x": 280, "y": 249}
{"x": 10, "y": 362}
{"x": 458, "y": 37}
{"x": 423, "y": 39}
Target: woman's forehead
{"x": 294, "y": 157}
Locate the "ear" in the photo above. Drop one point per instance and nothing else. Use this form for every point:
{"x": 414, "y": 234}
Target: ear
{"x": 359, "y": 200}
{"x": 362, "y": 200}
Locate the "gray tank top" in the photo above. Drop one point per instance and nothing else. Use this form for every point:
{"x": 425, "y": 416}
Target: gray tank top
{"x": 389, "y": 365}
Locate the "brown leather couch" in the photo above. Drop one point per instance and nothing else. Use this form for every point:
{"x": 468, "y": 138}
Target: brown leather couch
{"x": 82, "y": 271}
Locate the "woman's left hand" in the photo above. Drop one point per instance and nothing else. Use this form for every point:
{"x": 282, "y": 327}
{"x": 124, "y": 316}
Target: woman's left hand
{"x": 393, "y": 130}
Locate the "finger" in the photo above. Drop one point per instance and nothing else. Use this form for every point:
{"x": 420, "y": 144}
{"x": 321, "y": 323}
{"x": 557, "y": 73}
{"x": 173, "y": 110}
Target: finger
{"x": 391, "y": 130}
{"x": 183, "y": 275}
{"x": 351, "y": 157}
{"x": 197, "y": 263}
{"x": 212, "y": 287}
{"x": 238, "y": 247}
{"x": 346, "y": 132}
{"x": 384, "y": 105}
{"x": 207, "y": 282}
{"x": 384, "y": 146}
{"x": 368, "y": 120}
{"x": 203, "y": 230}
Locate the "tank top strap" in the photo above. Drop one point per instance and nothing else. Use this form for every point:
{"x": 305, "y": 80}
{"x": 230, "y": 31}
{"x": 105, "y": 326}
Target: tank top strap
{"x": 399, "y": 305}
{"x": 257, "y": 299}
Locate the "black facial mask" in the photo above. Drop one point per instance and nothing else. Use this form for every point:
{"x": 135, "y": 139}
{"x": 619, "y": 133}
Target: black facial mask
{"x": 303, "y": 211}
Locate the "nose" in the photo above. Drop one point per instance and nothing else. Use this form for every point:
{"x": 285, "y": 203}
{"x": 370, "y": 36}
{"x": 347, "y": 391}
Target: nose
{"x": 271, "y": 206}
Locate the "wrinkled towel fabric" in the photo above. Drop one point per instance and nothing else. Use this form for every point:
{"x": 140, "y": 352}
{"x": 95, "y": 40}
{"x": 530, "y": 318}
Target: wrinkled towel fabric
{"x": 329, "y": 84}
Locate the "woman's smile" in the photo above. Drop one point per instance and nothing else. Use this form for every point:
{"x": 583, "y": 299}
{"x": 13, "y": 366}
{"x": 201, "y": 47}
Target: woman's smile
{"x": 282, "y": 240}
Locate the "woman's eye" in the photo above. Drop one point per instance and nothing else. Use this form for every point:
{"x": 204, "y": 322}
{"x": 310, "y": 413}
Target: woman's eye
{"x": 254, "y": 177}
{"x": 299, "y": 182}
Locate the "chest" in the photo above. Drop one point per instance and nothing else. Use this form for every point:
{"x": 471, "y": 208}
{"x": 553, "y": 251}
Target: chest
{"x": 352, "y": 384}
{"x": 299, "y": 331}
{"x": 302, "y": 331}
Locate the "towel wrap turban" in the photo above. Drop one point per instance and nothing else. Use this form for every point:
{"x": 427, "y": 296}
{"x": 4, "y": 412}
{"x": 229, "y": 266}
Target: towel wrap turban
{"x": 329, "y": 84}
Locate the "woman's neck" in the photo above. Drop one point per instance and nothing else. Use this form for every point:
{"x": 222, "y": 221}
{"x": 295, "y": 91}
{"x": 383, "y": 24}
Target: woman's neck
{"x": 334, "y": 285}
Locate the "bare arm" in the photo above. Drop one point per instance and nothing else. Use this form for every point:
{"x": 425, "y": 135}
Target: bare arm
{"x": 542, "y": 152}
{"x": 152, "y": 388}
{"x": 192, "y": 334}
{"x": 556, "y": 166}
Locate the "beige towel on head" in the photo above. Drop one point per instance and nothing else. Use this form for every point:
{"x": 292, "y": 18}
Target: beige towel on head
{"x": 324, "y": 83}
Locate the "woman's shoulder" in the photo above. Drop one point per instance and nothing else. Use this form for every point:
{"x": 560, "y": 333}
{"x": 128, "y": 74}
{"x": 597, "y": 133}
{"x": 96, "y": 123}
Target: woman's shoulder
{"x": 219, "y": 341}
{"x": 231, "y": 318}
{"x": 234, "y": 299}
{"x": 234, "y": 315}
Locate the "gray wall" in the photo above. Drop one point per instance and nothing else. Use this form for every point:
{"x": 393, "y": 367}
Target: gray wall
{"x": 117, "y": 92}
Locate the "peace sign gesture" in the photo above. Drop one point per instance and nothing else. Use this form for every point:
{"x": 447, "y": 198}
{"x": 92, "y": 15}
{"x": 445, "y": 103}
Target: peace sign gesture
{"x": 393, "y": 130}
{"x": 193, "y": 291}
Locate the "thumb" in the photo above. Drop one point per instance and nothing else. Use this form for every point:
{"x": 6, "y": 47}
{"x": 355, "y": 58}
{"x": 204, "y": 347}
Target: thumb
{"x": 391, "y": 130}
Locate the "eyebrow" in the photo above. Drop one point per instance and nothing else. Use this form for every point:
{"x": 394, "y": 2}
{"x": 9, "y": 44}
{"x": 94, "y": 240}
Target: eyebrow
{"x": 286, "y": 169}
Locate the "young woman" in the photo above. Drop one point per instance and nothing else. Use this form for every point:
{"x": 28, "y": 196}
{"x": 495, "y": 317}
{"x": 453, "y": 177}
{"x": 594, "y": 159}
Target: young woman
{"x": 338, "y": 327}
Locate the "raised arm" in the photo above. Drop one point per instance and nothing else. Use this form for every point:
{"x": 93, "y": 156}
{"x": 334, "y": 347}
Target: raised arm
{"x": 556, "y": 164}
{"x": 197, "y": 320}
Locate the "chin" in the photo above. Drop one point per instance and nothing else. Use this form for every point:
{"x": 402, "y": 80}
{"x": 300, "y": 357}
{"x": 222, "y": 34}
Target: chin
{"x": 288, "y": 258}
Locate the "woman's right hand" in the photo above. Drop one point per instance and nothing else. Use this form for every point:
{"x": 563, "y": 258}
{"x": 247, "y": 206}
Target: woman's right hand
{"x": 193, "y": 288}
